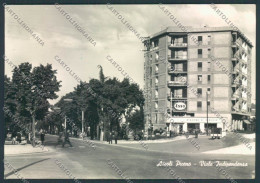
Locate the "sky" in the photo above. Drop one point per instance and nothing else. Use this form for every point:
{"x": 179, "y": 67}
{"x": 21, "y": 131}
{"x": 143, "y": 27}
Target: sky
{"x": 112, "y": 37}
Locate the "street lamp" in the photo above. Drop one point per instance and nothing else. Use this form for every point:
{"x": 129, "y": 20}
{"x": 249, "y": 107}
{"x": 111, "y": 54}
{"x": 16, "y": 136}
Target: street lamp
{"x": 207, "y": 113}
{"x": 65, "y": 125}
{"x": 82, "y": 114}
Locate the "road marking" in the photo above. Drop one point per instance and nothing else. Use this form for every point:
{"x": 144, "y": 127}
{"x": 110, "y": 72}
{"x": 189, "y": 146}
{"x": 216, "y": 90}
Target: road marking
{"x": 82, "y": 146}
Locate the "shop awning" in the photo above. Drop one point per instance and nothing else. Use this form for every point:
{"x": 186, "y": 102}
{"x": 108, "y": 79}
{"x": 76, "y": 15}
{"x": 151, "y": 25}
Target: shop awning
{"x": 247, "y": 122}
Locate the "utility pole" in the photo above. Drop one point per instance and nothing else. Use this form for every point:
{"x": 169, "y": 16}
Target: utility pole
{"x": 207, "y": 114}
{"x": 32, "y": 112}
{"x": 33, "y": 129}
{"x": 82, "y": 124}
{"x": 171, "y": 104}
{"x": 65, "y": 124}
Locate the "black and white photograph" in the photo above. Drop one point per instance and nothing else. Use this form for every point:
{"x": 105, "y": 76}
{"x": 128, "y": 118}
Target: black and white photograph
{"x": 129, "y": 91}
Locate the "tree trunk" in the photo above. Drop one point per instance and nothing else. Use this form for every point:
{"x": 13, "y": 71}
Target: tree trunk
{"x": 33, "y": 131}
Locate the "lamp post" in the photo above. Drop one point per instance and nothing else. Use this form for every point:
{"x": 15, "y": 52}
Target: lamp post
{"x": 65, "y": 123}
{"x": 207, "y": 113}
{"x": 82, "y": 117}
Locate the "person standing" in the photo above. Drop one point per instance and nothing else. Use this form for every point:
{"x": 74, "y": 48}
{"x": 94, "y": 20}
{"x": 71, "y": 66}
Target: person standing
{"x": 60, "y": 139}
{"x": 19, "y": 137}
{"x": 110, "y": 137}
{"x": 66, "y": 140}
{"x": 116, "y": 136}
{"x": 13, "y": 137}
{"x": 42, "y": 136}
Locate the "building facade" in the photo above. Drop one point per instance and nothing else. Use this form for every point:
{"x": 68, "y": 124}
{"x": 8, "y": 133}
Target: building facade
{"x": 197, "y": 79}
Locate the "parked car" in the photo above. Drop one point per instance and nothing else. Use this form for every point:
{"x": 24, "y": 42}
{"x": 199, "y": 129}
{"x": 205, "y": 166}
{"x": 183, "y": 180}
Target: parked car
{"x": 216, "y": 133}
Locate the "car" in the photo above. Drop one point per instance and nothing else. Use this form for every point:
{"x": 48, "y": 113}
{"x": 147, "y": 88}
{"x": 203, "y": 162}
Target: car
{"x": 216, "y": 133}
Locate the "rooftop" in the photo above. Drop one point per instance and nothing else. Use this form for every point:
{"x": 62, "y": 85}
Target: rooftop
{"x": 189, "y": 29}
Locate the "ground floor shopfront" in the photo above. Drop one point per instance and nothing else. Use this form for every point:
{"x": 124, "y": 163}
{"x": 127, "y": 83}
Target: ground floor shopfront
{"x": 188, "y": 124}
{"x": 225, "y": 121}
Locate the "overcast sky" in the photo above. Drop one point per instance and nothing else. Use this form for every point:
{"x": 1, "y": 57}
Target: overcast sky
{"x": 111, "y": 35}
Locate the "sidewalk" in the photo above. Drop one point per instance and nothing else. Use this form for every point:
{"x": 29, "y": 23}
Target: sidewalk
{"x": 243, "y": 149}
{"x": 240, "y": 149}
{"x": 138, "y": 141}
{"x": 24, "y": 149}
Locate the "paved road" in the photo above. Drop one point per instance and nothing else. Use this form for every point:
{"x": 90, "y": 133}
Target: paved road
{"x": 86, "y": 163}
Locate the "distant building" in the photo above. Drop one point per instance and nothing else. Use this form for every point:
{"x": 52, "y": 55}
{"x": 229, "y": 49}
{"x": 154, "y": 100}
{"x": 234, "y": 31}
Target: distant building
{"x": 182, "y": 68}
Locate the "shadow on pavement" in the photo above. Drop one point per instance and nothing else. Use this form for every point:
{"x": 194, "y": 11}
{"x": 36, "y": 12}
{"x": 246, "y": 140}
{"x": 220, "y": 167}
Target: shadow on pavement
{"x": 17, "y": 170}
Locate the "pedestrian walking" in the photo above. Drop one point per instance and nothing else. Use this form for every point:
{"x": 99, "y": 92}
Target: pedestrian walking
{"x": 13, "y": 137}
{"x": 116, "y": 136}
{"x": 42, "y": 136}
{"x": 60, "y": 139}
{"x": 110, "y": 137}
{"x": 66, "y": 139}
{"x": 19, "y": 137}
{"x": 196, "y": 133}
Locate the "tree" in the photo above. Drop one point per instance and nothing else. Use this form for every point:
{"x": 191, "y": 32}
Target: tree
{"x": 136, "y": 120}
{"x": 10, "y": 104}
{"x": 104, "y": 100}
{"x": 33, "y": 88}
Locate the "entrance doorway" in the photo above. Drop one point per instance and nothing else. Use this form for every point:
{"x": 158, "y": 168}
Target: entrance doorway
{"x": 181, "y": 129}
{"x": 193, "y": 126}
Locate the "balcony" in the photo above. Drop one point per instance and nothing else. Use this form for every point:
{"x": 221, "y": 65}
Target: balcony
{"x": 177, "y": 58}
{"x": 235, "y": 69}
{"x": 176, "y": 96}
{"x": 244, "y": 86}
{"x": 156, "y": 72}
{"x": 177, "y": 83}
{"x": 235, "y": 96}
{"x": 244, "y": 72}
{"x": 244, "y": 111}
{"x": 154, "y": 48}
{"x": 244, "y": 61}
{"x": 244, "y": 98}
{"x": 178, "y": 45}
{"x": 235, "y": 109}
{"x": 156, "y": 97}
{"x": 172, "y": 71}
{"x": 236, "y": 82}
{"x": 235, "y": 44}
{"x": 235, "y": 57}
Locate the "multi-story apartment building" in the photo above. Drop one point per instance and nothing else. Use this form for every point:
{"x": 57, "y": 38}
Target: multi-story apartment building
{"x": 187, "y": 73}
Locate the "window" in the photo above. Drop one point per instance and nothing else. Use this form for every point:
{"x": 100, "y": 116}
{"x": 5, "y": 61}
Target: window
{"x": 156, "y": 68}
{"x": 199, "y": 66}
{"x": 209, "y": 40}
{"x": 156, "y": 81}
{"x": 208, "y": 90}
{"x": 157, "y": 56}
{"x": 156, "y": 94}
{"x": 209, "y": 51}
{"x": 208, "y": 66}
{"x": 200, "y": 39}
{"x": 199, "y": 92}
{"x": 199, "y": 79}
{"x": 199, "y": 53}
{"x": 156, "y": 105}
{"x": 185, "y": 40}
{"x": 199, "y": 105}
{"x": 208, "y": 78}
{"x": 208, "y": 103}
{"x": 156, "y": 43}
